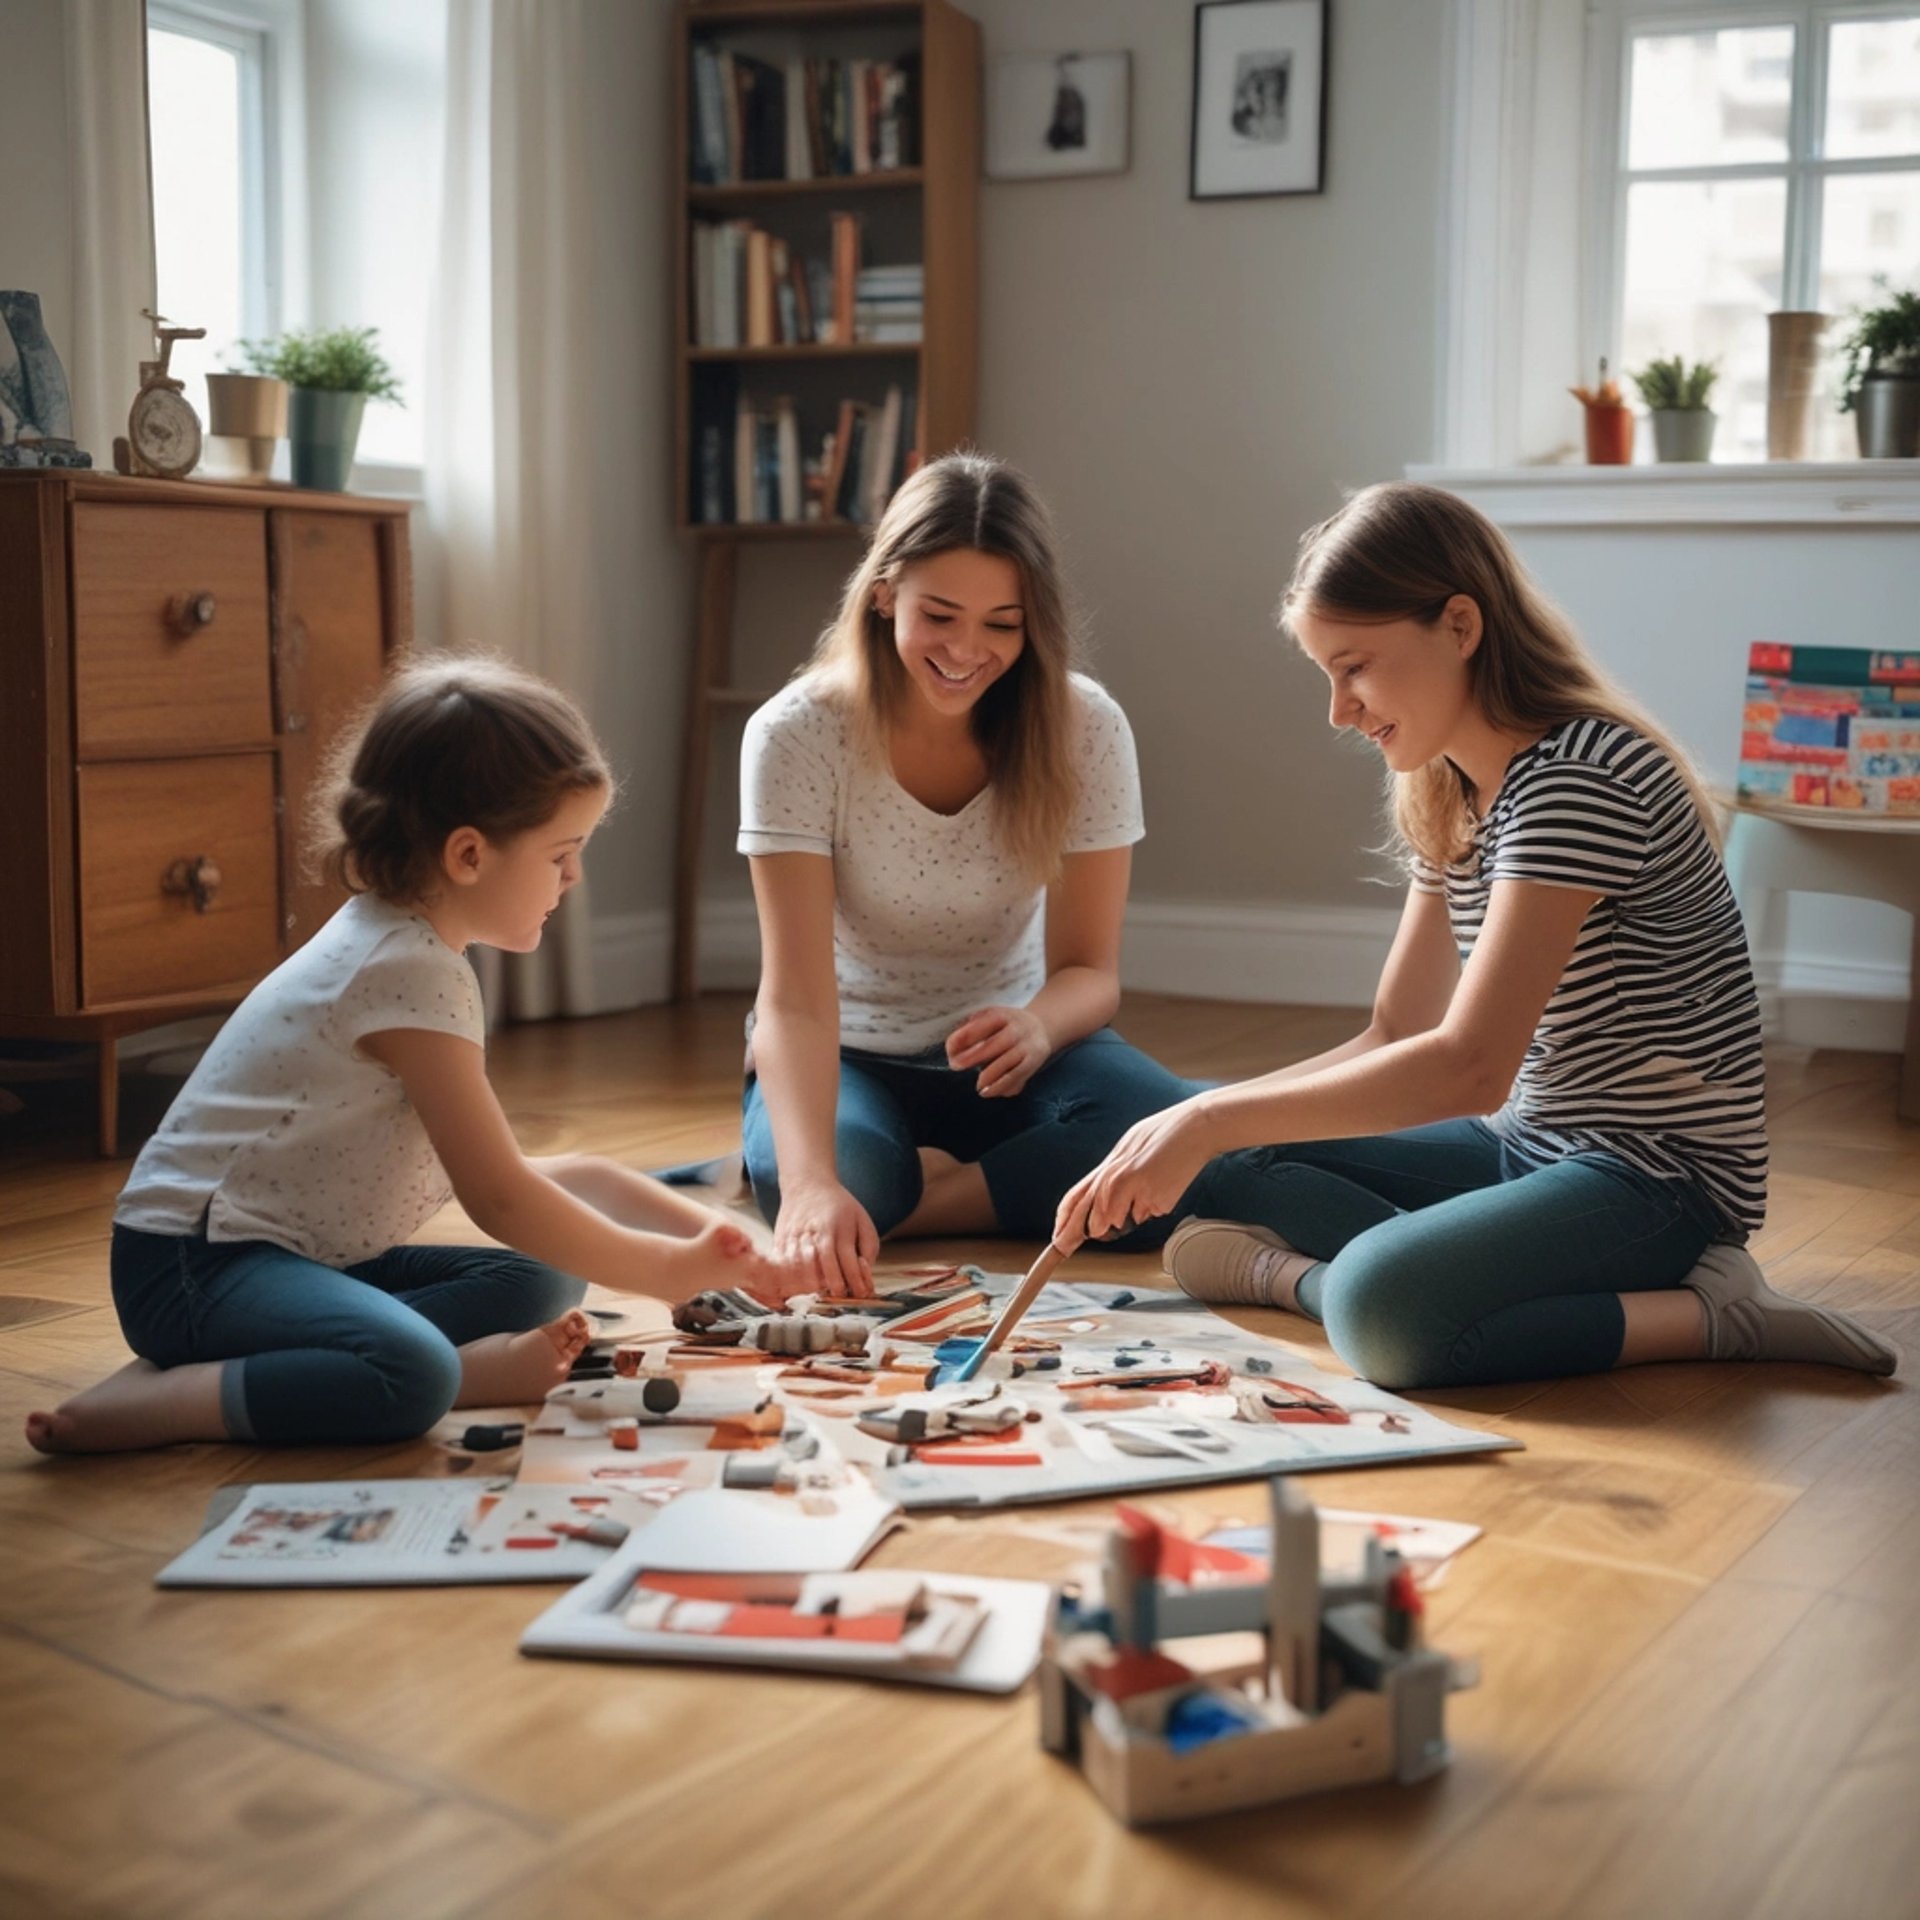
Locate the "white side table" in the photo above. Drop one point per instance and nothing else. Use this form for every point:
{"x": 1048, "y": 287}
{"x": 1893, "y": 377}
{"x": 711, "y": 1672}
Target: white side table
{"x": 1773, "y": 848}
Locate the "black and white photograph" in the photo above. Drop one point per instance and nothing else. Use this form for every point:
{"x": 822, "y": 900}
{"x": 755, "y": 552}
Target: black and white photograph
{"x": 1259, "y": 98}
{"x": 1057, "y": 113}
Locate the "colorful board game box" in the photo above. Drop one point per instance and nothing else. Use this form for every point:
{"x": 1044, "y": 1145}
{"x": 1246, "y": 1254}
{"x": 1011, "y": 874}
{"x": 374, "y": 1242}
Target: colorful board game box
{"x": 1832, "y": 727}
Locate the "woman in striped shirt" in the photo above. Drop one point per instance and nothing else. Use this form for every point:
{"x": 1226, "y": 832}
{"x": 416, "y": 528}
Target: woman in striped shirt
{"x": 1546, "y": 1152}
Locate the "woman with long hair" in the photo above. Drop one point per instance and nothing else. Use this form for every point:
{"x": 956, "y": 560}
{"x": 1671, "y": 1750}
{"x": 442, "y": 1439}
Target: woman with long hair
{"x": 940, "y": 814}
{"x": 1546, "y": 1151}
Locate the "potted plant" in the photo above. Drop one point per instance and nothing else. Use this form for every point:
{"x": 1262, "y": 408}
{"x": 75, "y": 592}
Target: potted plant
{"x": 1676, "y": 395}
{"x": 332, "y": 374}
{"x": 1881, "y": 385}
{"x": 250, "y": 407}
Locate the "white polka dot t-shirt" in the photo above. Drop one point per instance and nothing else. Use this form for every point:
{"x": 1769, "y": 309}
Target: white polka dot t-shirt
{"x": 284, "y": 1132}
{"x": 932, "y": 919}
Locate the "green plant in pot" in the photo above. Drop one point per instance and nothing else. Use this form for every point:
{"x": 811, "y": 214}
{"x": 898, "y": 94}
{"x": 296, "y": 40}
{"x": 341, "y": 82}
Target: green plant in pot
{"x": 1677, "y": 395}
{"x": 332, "y": 374}
{"x": 1881, "y": 383}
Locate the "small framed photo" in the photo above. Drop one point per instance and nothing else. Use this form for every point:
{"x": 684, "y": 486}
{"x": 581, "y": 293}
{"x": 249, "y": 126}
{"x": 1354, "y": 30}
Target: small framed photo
{"x": 1057, "y": 113}
{"x": 1259, "y": 98}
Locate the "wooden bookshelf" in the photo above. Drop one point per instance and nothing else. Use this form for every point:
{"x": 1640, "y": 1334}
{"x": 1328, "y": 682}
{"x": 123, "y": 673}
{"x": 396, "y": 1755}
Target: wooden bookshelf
{"x": 744, "y": 193}
{"x": 927, "y": 212}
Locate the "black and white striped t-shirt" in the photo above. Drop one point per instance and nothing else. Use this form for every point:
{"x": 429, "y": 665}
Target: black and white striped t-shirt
{"x": 1650, "y": 1045}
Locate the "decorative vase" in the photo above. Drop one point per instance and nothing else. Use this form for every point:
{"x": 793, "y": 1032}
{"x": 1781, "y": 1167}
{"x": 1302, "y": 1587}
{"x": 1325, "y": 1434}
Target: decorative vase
{"x": 1609, "y": 435}
{"x": 1793, "y": 374}
{"x": 1683, "y": 433}
{"x": 1886, "y": 415}
{"x": 250, "y": 408}
{"x": 325, "y": 429}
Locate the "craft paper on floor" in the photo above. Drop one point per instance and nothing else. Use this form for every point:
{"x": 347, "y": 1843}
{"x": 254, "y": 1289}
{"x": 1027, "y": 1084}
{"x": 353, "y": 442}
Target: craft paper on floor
{"x": 729, "y": 1478}
{"x": 948, "y": 1630}
{"x": 1099, "y": 1390}
{"x": 402, "y": 1533}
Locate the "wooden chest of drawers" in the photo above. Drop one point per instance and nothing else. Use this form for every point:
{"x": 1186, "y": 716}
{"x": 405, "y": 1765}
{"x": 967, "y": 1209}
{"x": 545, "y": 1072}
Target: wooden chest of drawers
{"x": 175, "y": 660}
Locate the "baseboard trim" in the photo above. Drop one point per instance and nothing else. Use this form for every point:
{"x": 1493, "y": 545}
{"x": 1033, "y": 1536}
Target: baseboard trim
{"x": 1849, "y": 1005}
{"x": 1278, "y": 955}
{"x": 1289, "y": 956}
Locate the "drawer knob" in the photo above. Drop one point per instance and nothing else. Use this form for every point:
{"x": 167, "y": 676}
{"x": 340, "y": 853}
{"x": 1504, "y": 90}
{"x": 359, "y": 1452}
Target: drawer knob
{"x": 190, "y": 613}
{"x": 198, "y": 877}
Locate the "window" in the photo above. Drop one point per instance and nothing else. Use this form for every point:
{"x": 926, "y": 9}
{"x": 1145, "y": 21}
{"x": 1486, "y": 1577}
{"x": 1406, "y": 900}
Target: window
{"x": 295, "y": 160}
{"x": 214, "y": 230}
{"x": 1763, "y": 159}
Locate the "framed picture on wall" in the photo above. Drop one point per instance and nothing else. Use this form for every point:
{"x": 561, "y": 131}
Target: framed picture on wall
{"x": 1259, "y": 98}
{"x": 1057, "y": 113}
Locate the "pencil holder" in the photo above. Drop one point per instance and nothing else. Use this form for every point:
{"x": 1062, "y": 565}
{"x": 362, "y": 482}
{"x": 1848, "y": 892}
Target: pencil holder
{"x": 1609, "y": 435}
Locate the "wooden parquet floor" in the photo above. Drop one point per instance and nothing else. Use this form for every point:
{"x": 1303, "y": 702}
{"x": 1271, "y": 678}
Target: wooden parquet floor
{"x": 1693, "y": 1606}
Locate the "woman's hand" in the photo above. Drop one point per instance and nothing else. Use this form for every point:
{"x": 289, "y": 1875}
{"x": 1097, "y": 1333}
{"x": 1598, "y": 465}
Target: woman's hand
{"x": 1144, "y": 1176}
{"x": 825, "y": 1235}
{"x": 1004, "y": 1046}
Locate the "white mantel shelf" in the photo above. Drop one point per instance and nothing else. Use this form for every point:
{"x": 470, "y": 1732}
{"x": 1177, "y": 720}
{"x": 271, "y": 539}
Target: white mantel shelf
{"x": 1875, "y": 493}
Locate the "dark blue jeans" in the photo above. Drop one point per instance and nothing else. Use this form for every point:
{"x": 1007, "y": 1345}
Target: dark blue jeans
{"x": 320, "y": 1355}
{"x": 1450, "y": 1258}
{"x": 1030, "y": 1148}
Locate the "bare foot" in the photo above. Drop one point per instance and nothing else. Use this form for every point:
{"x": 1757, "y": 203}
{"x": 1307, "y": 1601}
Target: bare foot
{"x": 512, "y": 1369}
{"x": 140, "y": 1406}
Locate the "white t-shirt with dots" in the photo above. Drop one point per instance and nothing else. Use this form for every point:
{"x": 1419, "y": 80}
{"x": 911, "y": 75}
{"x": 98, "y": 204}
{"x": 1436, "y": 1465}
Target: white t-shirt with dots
{"x": 932, "y": 919}
{"x": 284, "y": 1131}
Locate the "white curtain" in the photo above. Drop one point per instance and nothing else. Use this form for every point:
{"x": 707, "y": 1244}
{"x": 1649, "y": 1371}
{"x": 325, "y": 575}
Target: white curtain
{"x": 510, "y": 411}
{"x": 112, "y": 204}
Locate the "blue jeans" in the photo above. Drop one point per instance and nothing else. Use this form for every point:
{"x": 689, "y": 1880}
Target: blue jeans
{"x": 1450, "y": 1258}
{"x": 1031, "y": 1148}
{"x": 320, "y": 1355}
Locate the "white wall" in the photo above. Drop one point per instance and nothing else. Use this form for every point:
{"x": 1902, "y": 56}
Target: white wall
{"x": 1672, "y": 611}
{"x": 1192, "y": 385}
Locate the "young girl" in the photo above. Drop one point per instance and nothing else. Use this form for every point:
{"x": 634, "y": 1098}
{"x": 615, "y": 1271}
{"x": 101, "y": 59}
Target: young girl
{"x": 940, "y": 816}
{"x": 256, "y": 1263}
{"x": 1569, "y": 962}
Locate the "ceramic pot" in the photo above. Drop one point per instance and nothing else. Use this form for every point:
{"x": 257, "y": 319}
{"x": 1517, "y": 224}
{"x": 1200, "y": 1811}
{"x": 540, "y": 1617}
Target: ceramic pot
{"x": 1793, "y": 376}
{"x": 1683, "y": 434}
{"x": 1886, "y": 415}
{"x": 250, "y": 408}
{"x": 325, "y": 429}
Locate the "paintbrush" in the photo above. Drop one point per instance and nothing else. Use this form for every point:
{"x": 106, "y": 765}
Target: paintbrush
{"x": 1022, "y": 1298}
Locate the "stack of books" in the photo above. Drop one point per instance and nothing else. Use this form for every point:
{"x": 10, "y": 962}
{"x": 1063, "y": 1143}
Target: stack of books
{"x": 802, "y": 119}
{"x": 750, "y": 467}
{"x": 889, "y": 303}
{"x": 1832, "y": 727}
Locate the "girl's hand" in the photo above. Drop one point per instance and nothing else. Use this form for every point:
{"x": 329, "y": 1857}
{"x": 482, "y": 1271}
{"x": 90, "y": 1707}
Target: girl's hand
{"x": 1143, "y": 1177}
{"x": 825, "y": 1237}
{"x": 1004, "y": 1046}
{"x": 728, "y": 1258}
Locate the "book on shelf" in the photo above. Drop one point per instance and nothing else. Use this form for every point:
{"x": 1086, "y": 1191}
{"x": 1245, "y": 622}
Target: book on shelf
{"x": 753, "y": 288}
{"x": 846, "y": 272}
{"x": 802, "y": 119}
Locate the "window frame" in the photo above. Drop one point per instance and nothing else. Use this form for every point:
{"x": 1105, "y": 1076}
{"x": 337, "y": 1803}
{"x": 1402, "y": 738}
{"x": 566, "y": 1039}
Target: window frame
{"x": 1613, "y": 25}
{"x": 268, "y": 38}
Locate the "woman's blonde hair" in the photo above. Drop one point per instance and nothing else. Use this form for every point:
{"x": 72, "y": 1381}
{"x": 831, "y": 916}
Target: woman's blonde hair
{"x": 1401, "y": 552}
{"x": 1023, "y": 722}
